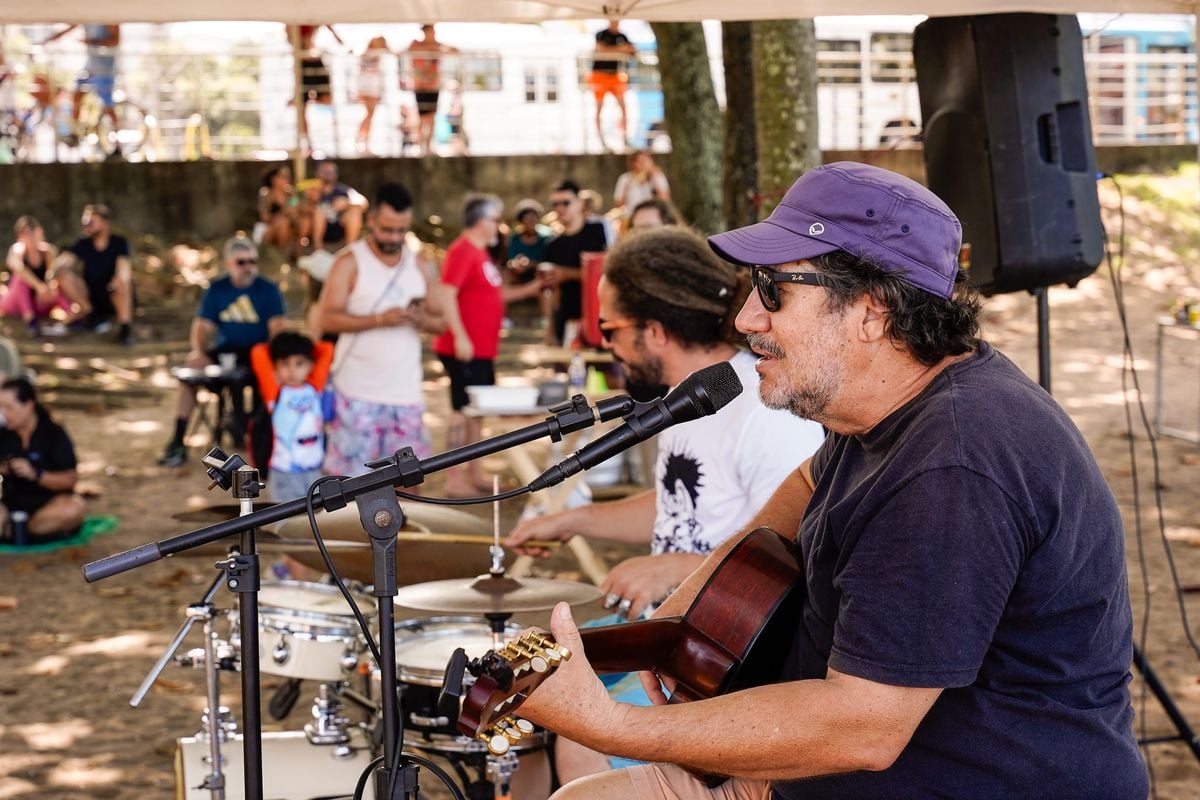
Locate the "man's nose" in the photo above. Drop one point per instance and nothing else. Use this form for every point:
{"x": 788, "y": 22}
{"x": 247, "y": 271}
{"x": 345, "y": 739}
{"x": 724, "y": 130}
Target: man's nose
{"x": 753, "y": 318}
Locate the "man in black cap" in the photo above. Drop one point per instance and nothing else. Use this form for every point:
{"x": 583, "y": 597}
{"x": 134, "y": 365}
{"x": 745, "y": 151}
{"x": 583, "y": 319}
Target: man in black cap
{"x": 965, "y": 628}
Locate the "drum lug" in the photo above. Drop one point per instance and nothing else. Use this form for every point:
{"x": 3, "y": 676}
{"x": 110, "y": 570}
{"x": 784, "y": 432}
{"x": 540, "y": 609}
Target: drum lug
{"x": 281, "y": 652}
{"x": 349, "y": 660}
{"x": 422, "y": 721}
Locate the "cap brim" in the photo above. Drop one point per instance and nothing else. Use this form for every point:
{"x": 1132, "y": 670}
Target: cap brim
{"x": 767, "y": 243}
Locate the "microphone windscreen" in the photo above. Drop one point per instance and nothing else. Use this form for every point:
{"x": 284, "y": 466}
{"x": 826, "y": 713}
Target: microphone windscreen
{"x": 710, "y": 389}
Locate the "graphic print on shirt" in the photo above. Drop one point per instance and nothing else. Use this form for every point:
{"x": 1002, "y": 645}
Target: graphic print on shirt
{"x": 492, "y": 273}
{"x": 299, "y": 434}
{"x": 240, "y": 310}
{"x": 678, "y": 531}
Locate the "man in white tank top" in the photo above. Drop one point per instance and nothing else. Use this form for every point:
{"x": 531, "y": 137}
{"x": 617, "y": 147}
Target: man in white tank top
{"x": 380, "y": 296}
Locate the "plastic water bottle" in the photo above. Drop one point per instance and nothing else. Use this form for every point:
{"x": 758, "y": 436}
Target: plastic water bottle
{"x": 577, "y": 372}
{"x": 20, "y": 528}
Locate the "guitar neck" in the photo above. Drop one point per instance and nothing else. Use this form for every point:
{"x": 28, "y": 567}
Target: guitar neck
{"x": 632, "y": 646}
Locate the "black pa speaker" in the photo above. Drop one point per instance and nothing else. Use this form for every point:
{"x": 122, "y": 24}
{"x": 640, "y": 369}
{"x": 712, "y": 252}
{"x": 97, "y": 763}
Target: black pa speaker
{"x": 1008, "y": 145}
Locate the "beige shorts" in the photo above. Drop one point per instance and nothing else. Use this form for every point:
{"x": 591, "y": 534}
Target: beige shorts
{"x": 668, "y": 782}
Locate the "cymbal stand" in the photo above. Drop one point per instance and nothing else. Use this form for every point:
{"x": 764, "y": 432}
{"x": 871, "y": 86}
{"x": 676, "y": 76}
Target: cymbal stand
{"x": 216, "y": 723}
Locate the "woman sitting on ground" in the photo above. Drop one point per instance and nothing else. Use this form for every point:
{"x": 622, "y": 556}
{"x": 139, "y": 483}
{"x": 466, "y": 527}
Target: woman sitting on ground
{"x": 276, "y": 215}
{"x": 37, "y": 461}
{"x": 33, "y": 291}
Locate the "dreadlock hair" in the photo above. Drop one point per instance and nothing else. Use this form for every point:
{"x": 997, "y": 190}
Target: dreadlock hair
{"x": 670, "y": 275}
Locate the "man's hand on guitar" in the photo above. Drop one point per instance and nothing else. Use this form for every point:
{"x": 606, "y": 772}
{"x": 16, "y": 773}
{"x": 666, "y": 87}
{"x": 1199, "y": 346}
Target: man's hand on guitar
{"x": 572, "y": 701}
{"x": 642, "y": 581}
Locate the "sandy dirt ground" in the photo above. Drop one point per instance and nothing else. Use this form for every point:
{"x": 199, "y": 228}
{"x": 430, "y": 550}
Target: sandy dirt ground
{"x": 72, "y": 653}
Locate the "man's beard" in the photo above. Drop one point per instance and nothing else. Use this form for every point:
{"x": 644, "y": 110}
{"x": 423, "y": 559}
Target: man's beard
{"x": 647, "y": 370}
{"x": 388, "y": 248}
{"x": 819, "y": 366}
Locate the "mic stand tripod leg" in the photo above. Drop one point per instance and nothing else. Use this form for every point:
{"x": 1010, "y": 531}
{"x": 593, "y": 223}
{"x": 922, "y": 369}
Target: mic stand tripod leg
{"x": 214, "y": 724}
{"x": 169, "y": 653}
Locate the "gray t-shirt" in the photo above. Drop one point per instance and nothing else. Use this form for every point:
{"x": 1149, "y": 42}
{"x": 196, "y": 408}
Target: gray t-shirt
{"x": 970, "y": 542}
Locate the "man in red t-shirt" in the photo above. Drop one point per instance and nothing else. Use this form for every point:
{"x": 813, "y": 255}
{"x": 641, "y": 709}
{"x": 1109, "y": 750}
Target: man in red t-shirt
{"x": 474, "y": 304}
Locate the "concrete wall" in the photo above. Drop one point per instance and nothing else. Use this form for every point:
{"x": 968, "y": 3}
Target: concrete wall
{"x": 206, "y": 201}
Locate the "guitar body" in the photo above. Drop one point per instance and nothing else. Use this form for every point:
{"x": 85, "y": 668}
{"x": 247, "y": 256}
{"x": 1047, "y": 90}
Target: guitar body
{"x": 737, "y": 633}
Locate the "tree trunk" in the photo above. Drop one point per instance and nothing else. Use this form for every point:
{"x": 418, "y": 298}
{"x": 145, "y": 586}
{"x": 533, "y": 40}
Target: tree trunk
{"x": 741, "y": 150}
{"x": 693, "y": 120}
{"x": 785, "y": 99}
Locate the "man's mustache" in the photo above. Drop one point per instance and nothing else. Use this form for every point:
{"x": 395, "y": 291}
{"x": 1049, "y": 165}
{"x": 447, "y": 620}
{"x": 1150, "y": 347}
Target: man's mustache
{"x": 759, "y": 344}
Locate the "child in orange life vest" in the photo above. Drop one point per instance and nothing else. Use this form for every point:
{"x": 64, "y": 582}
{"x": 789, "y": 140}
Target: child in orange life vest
{"x": 291, "y": 373}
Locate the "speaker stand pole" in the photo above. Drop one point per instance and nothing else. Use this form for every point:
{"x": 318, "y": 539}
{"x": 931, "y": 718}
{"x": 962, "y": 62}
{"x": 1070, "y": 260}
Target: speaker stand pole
{"x": 1043, "y": 316}
{"x": 1186, "y": 734}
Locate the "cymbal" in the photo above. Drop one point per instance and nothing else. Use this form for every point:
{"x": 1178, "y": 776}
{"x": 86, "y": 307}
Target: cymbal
{"x": 489, "y": 594}
{"x": 419, "y": 558}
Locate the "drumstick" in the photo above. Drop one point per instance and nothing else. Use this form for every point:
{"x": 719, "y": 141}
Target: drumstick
{"x": 464, "y": 538}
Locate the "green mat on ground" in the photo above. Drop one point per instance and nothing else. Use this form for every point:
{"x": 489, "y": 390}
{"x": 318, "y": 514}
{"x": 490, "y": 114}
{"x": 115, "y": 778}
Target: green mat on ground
{"x": 93, "y": 525}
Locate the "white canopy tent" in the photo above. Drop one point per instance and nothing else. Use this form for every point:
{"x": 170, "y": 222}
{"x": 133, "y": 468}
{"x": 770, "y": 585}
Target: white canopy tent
{"x": 321, "y": 11}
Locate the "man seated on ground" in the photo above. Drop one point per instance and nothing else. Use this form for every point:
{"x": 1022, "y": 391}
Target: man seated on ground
{"x": 667, "y": 306}
{"x": 37, "y": 461}
{"x": 95, "y": 272}
{"x": 239, "y": 310}
{"x": 340, "y": 211}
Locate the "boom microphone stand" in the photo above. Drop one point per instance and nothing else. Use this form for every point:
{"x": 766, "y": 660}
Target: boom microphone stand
{"x": 381, "y": 517}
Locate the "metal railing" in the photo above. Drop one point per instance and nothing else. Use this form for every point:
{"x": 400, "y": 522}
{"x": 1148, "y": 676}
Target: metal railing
{"x": 168, "y": 104}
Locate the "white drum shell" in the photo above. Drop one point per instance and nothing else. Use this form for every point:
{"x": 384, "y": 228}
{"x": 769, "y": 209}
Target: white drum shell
{"x": 293, "y": 769}
{"x": 311, "y": 625}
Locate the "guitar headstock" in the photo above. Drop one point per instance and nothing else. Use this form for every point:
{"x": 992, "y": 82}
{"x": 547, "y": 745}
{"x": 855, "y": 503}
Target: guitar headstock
{"x": 503, "y": 679}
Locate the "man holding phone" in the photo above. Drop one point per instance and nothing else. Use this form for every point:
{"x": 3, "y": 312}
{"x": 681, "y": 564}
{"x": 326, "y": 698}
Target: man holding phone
{"x": 378, "y": 297}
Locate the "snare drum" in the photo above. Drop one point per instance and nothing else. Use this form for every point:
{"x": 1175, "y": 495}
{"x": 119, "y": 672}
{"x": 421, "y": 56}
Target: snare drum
{"x": 307, "y": 630}
{"x": 423, "y": 649}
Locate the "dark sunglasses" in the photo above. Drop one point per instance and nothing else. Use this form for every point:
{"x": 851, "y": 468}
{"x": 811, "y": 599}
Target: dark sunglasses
{"x": 608, "y": 328}
{"x": 766, "y": 282}
{"x": 557, "y": 203}
{"x": 246, "y": 262}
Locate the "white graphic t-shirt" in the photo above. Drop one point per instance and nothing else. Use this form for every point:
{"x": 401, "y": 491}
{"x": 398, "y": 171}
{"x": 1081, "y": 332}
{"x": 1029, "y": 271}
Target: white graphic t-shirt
{"x": 714, "y": 473}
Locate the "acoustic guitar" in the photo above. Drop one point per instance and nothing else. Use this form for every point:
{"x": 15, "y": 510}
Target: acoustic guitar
{"x": 737, "y": 633}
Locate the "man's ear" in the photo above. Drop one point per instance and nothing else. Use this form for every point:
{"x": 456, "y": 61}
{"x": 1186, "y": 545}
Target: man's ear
{"x": 872, "y": 318}
{"x": 654, "y": 333}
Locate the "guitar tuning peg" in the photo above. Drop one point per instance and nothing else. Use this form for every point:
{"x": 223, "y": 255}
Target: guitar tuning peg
{"x": 524, "y": 726}
{"x": 511, "y": 728}
{"x": 497, "y": 743}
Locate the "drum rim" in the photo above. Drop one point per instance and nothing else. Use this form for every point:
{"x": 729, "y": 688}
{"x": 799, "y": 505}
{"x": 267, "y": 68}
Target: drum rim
{"x": 271, "y": 610}
{"x": 408, "y": 673}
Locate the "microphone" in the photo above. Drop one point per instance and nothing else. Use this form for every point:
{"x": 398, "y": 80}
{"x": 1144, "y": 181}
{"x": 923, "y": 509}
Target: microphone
{"x": 704, "y": 392}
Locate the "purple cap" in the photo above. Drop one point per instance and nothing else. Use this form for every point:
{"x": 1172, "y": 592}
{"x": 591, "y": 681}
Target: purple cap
{"x": 866, "y": 211}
